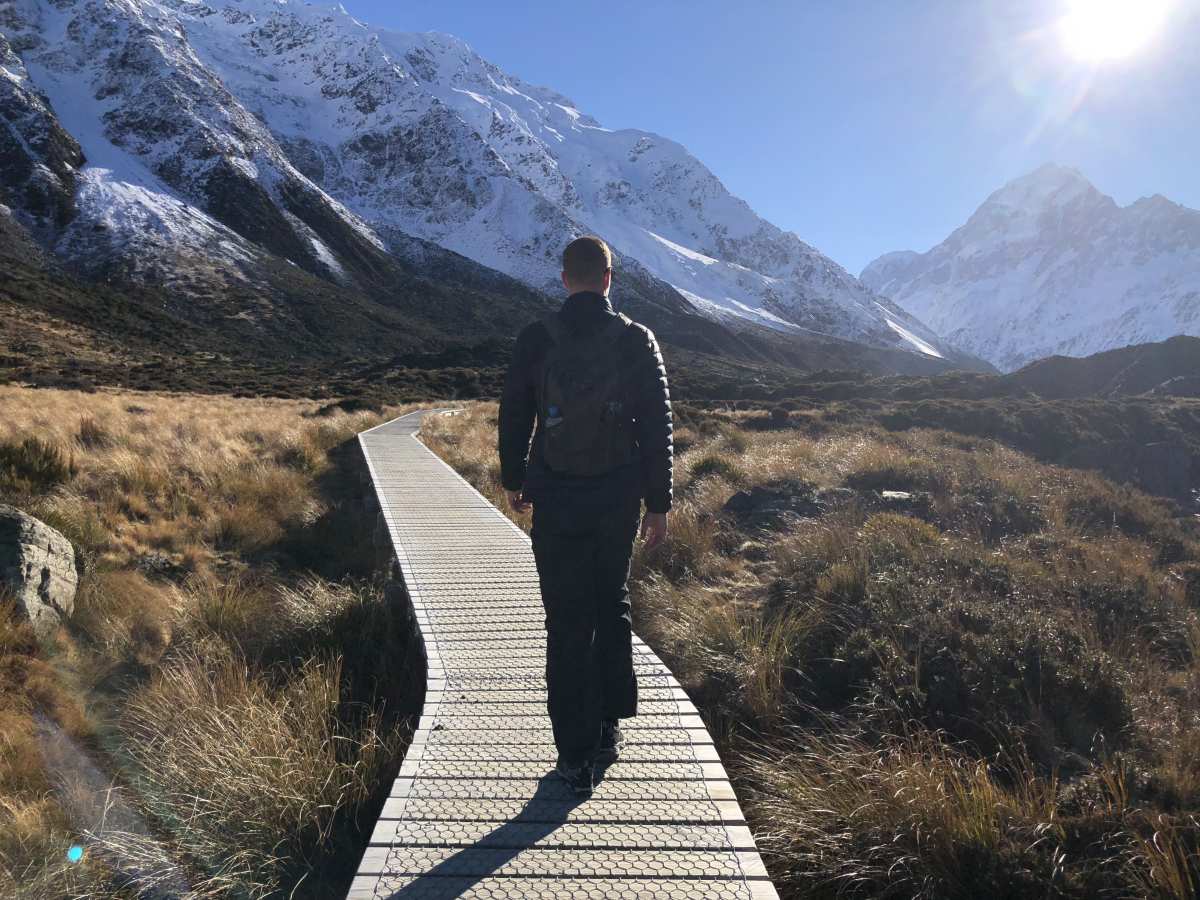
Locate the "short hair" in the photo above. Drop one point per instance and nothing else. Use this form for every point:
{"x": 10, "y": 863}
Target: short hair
{"x": 586, "y": 259}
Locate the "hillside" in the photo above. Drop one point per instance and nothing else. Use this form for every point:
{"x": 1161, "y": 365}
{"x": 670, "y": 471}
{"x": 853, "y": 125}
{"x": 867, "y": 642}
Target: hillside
{"x": 1130, "y": 413}
{"x": 286, "y": 175}
{"x": 1169, "y": 368}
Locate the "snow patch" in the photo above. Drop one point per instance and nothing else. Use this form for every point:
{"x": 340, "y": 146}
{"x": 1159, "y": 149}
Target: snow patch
{"x": 325, "y": 255}
{"x": 683, "y": 251}
{"x": 923, "y": 346}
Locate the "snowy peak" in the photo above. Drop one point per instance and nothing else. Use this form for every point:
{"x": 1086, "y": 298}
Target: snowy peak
{"x": 1048, "y": 186}
{"x": 1050, "y": 265}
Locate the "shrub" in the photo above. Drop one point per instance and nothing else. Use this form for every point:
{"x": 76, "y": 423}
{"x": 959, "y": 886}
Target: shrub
{"x": 34, "y": 466}
{"x": 1098, "y": 506}
{"x": 125, "y": 615}
{"x": 1191, "y": 586}
{"x": 717, "y": 465}
{"x": 235, "y": 608}
{"x": 912, "y": 818}
{"x": 895, "y": 470}
{"x": 890, "y": 539}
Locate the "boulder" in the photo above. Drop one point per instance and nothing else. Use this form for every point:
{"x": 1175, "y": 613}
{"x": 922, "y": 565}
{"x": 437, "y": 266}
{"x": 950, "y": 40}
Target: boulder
{"x": 38, "y": 570}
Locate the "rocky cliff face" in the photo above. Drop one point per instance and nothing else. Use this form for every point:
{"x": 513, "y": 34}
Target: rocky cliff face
{"x": 38, "y": 159}
{"x": 1049, "y": 265}
{"x": 180, "y": 141}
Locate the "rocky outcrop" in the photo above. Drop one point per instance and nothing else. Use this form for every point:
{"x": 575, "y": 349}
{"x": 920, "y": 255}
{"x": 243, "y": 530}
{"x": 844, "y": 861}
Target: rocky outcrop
{"x": 39, "y": 571}
{"x": 38, "y": 159}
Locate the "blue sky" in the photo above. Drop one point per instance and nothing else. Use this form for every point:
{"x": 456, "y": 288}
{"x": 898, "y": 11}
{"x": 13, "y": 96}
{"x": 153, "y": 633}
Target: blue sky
{"x": 862, "y": 125}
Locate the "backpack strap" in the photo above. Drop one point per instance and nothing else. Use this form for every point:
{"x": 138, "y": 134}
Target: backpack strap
{"x": 611, "y": 331}
{"x": 555, "y": 327}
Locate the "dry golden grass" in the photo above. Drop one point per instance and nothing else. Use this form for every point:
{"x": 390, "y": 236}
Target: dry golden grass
{"x": 209, "y": 691}
{"x": 185, "y": 476}
{"x": 245, "y": 775}
{"x": 988, "y": 690}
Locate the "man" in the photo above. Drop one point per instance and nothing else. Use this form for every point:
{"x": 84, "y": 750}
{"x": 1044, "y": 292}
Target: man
{"x": 594, "y": 383}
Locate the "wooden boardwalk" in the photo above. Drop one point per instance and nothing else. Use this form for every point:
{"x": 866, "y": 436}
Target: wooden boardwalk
{"x": 475, "y": 811}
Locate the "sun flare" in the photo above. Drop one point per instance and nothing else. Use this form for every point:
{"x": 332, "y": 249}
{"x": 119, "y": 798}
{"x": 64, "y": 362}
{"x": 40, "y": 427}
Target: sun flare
{"x": 1098, "y": 30}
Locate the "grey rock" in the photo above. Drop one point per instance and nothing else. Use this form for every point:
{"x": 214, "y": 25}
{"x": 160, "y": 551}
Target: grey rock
{"x": 159, "y": 565}
{"x": 38, "y": 570}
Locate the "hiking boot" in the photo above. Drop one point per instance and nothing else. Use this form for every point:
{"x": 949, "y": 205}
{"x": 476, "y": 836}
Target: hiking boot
{"x": 579, "y": 777}
{"x": 610, "y": 741}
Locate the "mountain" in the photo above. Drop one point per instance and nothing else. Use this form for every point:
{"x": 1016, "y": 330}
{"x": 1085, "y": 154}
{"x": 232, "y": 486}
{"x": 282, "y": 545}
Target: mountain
{"x": 249, "y": 157}
{"x": 1048, "y": 265}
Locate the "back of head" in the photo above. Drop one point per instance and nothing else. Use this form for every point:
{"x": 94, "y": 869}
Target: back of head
{"x": 586, "y": 263}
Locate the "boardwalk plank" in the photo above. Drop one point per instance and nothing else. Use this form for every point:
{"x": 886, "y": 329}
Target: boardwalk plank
{"x": 475, "y": 811}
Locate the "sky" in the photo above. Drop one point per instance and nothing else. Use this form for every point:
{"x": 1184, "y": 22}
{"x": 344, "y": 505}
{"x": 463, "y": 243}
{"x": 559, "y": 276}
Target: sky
{"x": 865, "y": 126}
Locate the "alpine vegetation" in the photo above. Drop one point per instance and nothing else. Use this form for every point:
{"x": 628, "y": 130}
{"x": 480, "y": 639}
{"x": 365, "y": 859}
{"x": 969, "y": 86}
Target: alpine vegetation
{"x": 938, "y": 667}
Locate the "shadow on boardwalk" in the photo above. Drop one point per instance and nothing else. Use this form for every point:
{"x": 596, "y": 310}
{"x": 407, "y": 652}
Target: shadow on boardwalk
{"x": 541, "y": 816}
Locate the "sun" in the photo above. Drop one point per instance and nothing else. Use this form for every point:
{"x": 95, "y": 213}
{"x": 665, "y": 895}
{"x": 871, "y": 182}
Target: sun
{"x": 1099, "y": 30}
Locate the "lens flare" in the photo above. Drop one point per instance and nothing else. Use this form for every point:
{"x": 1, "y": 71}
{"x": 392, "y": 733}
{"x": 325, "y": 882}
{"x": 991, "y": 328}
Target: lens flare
{"x": 1100, "y": 30}
{"x": 75, "y": 854}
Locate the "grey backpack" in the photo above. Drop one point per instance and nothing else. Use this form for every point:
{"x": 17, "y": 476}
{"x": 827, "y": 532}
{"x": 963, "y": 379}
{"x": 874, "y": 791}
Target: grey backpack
{"x": 583, "y": 404}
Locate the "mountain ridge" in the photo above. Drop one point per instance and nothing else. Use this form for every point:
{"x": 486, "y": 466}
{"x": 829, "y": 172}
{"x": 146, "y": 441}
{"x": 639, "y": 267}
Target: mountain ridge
{"x": 1048, "y": 265}
{"x": 210, "y": 140}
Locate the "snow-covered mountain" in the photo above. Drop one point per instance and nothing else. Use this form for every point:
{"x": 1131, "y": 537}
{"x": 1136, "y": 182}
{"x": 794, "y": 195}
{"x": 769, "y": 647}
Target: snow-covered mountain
{"x": 1049, "y": 265}
{"x": 207, "y": 137}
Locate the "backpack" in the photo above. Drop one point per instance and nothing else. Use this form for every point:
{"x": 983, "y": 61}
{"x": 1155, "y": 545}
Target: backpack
{"x": 587, "y": 424}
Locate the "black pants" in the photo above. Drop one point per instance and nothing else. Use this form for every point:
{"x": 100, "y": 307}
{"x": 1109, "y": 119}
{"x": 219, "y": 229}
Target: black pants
{"x": 582, "y": 543}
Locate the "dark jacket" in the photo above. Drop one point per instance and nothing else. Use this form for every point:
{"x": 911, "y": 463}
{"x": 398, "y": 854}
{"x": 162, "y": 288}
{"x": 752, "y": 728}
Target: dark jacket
{"x": 521, "y": 464}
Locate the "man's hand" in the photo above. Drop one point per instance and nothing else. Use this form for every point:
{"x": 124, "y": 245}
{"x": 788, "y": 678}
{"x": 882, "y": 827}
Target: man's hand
{"x": 516, "y": 499}
{"x": 654, "y": 529}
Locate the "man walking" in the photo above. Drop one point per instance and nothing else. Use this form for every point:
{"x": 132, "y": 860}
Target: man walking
{"x": 593, "y": 383}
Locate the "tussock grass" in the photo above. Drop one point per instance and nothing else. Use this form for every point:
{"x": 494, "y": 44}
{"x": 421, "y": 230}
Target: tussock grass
{"x": 210, "y": 724}
{"x": 248, "y": 777}
{"x": 984, "y": 689}
{"x": 172, "y": 474}
{"x": 31, "y": 464}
